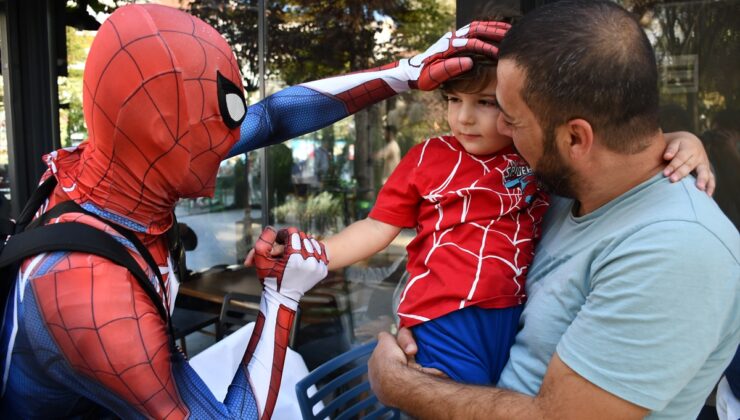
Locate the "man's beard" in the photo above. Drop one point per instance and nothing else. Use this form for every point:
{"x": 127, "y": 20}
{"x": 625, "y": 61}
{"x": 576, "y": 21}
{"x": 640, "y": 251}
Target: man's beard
{"x": 554, "y": 175}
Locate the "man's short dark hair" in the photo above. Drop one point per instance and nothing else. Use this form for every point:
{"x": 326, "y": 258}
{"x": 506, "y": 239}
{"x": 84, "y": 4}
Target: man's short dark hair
{"x": 591, "y": 60}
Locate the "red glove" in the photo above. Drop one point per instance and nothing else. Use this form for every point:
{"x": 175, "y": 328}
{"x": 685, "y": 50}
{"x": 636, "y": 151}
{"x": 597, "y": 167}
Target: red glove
{"x": 302, "y": 264}
{"x": 438, "y": 63}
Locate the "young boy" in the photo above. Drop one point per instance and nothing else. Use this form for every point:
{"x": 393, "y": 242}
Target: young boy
{"x": 474, "y": 203}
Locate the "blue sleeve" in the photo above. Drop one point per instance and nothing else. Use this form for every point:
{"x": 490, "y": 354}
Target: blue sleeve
{"x": 733, "y": 374}
{"x": 659, "y": 323}
{"x": 287, "y": 114}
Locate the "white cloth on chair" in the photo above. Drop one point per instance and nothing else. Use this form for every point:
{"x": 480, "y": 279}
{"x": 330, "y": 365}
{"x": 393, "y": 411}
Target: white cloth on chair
{"x": 217, "y": 365}
{"x": 728, "y": 406}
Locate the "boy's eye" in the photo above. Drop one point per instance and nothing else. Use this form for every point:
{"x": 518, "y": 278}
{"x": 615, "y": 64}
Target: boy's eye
{"x": 452, "y": 99}
{"x": 488, "y": 102}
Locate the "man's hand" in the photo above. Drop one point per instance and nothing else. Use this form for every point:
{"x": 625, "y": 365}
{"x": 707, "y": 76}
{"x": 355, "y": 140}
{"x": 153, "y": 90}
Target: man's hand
{"x": 686, "y": 153}
{"x": 385, "y": 369}
{"x": 391, "y": 357}
{"x": 436, "y": 65}
{"x": 407, "y": 343}
{"x": 562, "y": 394}
{"x": 292, "y": 272}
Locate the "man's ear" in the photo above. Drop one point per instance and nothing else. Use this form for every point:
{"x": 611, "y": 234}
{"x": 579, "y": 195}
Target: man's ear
{"x": 578, "y": 138}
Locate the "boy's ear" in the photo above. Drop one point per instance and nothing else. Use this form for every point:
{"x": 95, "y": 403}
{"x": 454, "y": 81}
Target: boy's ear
{"x": 579, "y": 138}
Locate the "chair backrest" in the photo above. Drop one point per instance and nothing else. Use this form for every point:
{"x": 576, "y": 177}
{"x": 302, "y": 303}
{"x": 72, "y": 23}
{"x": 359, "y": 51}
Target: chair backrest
{"x": 343, "y": 387}
{"x": 238, "y": 309}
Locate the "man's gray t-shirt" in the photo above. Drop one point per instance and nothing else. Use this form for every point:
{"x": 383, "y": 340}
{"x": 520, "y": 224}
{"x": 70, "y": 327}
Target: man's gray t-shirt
{"x": 640, "y": 297}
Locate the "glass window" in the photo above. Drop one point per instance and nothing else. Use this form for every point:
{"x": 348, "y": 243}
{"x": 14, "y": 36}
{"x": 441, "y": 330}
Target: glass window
{"x": 71, "y": 119}
{"x": 332, "y": 180}
{"x": 323, "y": 181}
{"x": 221, "y": 223}
{"x": 4, "y": 180}
{"x": 696, "y": 49}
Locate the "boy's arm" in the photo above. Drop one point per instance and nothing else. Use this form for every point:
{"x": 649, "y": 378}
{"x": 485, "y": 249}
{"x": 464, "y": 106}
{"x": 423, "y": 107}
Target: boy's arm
{"x": 358, "y": 241}
{"x": 307, "y": 107}
{"x": 686, "y": 154}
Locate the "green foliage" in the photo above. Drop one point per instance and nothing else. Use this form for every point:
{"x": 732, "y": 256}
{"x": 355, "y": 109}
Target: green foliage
{"x": 98, "y": 6}
{"x": 312, "y": 39}
{"x": 316, "y": 213}
{"x": 420, "y": 26}
{"x": 281, "y": 162}
{"x": 70, "y": 87}
{"x": 708, "y": 33}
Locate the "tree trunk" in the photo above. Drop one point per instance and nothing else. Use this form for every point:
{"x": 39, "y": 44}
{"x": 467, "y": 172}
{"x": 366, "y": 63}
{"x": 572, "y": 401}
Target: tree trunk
{"x": 363, "y": 162}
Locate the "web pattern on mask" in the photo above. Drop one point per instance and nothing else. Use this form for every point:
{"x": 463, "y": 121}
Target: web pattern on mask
{"x": 175, "y": 95}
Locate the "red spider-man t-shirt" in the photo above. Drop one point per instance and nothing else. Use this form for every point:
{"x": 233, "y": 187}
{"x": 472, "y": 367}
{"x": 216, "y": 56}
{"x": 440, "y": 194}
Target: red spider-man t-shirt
{"x": 476, "y": 219}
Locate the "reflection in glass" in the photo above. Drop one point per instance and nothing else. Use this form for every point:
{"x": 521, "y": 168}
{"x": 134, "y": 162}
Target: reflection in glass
{"x": 324, "y": 181}
{"x": 696, "y": 49}
{"x": 223, "y": 221}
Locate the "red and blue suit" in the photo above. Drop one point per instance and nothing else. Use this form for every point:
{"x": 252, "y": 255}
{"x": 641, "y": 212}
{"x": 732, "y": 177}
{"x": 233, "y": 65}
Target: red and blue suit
{"x": 164, "y": 105}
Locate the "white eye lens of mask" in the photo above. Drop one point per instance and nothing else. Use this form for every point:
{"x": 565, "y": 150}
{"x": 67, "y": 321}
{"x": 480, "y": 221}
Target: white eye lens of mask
{"x": 235, "y": 106}
{"x": 231, "y": 103}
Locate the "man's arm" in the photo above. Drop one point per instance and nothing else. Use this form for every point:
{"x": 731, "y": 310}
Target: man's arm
{"x": 564, "y": 393}
{"x": 307, "y": 107}
{"x": 109, "y": 344}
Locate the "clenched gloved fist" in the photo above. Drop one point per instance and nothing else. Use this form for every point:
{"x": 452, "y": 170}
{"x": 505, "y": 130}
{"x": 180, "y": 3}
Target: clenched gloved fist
{"x": 302, "y": 264}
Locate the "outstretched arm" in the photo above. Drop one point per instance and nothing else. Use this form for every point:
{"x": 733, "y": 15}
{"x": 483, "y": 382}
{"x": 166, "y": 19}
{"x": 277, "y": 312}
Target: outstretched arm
{"x": 307, "y": 107}
{"x": 285, "y": 277}
{"x": 358, "y": 241}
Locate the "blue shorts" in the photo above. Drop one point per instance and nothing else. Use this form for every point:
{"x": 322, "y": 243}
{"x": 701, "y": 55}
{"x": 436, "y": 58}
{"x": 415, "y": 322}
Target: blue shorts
{"x": 470, "y": 345}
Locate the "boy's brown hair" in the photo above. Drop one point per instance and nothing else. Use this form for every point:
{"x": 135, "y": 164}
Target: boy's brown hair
{"x": 483, "y": 72}
{"x": 478, "y": 78}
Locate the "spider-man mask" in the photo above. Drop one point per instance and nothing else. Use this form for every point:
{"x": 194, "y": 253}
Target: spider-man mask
{"x": 163, "y": 103}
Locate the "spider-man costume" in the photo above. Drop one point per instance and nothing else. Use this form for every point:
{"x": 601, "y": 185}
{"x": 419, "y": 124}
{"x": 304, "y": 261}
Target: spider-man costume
{"x": 163, "y": 104}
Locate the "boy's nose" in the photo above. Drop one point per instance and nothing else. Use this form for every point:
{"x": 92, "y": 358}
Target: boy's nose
{"x": 465, "y": 115}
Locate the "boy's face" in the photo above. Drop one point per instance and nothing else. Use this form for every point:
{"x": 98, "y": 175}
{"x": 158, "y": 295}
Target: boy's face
{"x": 472, "y": 118}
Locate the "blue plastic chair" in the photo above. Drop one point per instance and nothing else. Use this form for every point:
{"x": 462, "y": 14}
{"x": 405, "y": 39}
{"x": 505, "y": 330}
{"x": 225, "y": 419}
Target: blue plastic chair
{"x": 347, "y": 388}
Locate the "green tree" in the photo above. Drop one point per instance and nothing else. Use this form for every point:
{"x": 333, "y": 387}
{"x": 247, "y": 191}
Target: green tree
{"x": 72, "y": 120}
{"x": 708, "y": 31}
{"x": 311, "y": 39}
